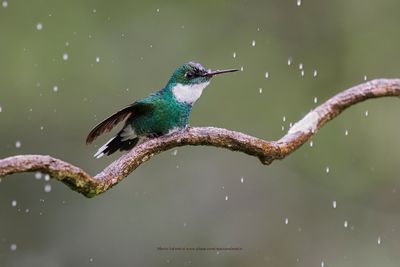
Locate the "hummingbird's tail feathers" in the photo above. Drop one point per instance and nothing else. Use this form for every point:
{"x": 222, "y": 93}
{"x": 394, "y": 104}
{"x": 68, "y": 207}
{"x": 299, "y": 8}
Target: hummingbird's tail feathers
{"x": 114, "y": 144}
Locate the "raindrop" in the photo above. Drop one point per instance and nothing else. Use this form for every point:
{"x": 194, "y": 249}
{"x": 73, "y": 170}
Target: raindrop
{"x": 301, "y": 66}
{"x": 283, "y": 128}
{"x": 267, "y": 75}
{"x": 315, "y": 73}
{"x": 311, "y": 143}
{"x": 346, "y": 133}
{"x": 18, "y": 144}
{"x": 94, "y": 11}
{"x": 334, "y": 204}
{"x": 5, "y": 4}
{"x": 91, "y": 260}
{"x": 315, "y": 100}
{"x": 299, "y": 4}
{"x": 47, "y": 188}
{"x": 322, "y": 263}
{"x": 345, "y": 224}
{"x": 379, "y": 240}
{"x": 241, "y": 68}
{"x": 365, "y": 77}
{"x": 226, "y": 197}
{"x": 289, "y": 61}
{"x": 302, "y": 73}
{"x": 55, "y": 88}
{"x": 234, "y": 54}
{"x": 184, "y": 224}
{"x": 13, "y": 247}
{"x": 39, "y": 26}
{"x": 242, "y": 180}
{"x": 1, "y": 109}
{"x": 260, "y": 90}
{"x": 327, "y": 170}
{"x": 38, "y": 175}
{"x": 284, "y": 118}
{"x": 175, "y": 152}
{"x": 158, "y": 10}
{"x": 13, "y": 203}
{"x": 253, "y": 43}
{"x": 97, "y": 59}
{"x": 41, "y": 128}
{"x": 47, "y": 177}
{"x": 286, "y": 220}
{"x": 366, "y": 112}
{"x": 65, "y": 56}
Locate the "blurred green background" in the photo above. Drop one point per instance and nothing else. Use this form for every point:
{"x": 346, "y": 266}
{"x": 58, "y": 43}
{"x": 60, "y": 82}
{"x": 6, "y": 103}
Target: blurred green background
{"x": 65, "y": 65}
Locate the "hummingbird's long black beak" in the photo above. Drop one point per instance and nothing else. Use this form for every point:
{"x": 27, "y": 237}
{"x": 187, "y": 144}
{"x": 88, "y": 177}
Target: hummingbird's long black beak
{"x": 211, "y": 73}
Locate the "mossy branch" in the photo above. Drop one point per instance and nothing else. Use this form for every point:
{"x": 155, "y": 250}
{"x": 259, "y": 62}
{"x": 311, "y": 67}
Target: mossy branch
{"x": 267, "y": 151}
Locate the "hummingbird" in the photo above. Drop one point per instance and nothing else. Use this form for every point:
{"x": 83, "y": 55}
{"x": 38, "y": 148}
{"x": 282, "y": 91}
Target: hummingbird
{"x": 160, "y": 113}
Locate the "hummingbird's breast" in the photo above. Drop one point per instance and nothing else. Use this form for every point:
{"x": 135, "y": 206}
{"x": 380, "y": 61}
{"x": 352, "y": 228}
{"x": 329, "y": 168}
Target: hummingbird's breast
{"x": 167, "y": 114}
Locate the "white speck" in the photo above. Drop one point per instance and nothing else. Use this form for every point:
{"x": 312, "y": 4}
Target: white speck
{"x": 5, "y": 4}
{"x": 322, "y": 263}
{"x": 290, "y": 124}
{"x": 260, "y": 90}
{"x": 315, "y": 73}
{"x": 175, "y": 152}
{"x": 306, "y": 124}
{"x": 283, "y": 128}
{"x": 267, "y": 75}
{"x": 286, "y": 220}
{"x": 302, "y": 73}
{"x": 41, "y": 128}
{"x": 1, "y": 109}
{"x": 379, "y": 240}
{"x": 289, "y": 61}
{"x": 253, "y": 43}
{"x": 38, "y": 175}
{"x": 184, "y": 224}
{"x": 18, "y": 144}
{"x": 90, "y": 259}
{"x": 94, "y": 11}
{"x": 47, "y": 177}
{"x": 65, "y": 56}
{"x": 66, "y": 43}
{"x": 158, "y": 10}
{"x": 345, "y": 224}
{"x": 301, "y": 66}
{"x": 39, "y": 26}
{"x": 47, "y": 188}
{"x": 334, "y": 204}
{"x": 365, "y": 77}
{"x": 13, "y": 203}
{"x": 26, "y": 210}
{"x": 13, "y": 247}
{"x": 315, "y": 100}
{"x": 298, "y": 2}
{"x": 311, "y": 143}
{"x": 346, "y": 133}
{"x": 284, "y": 118}
{"x": 366, "y": 112}
{"x": 226, "y": 197}
{"x": 97, "y": 59}
{"x": 241, "y": 68}
{"x": 327, "y": 169}
{"x": 234, "y": 54}
{"x": 55, "y": 88}
{"x": 242, "y": 180}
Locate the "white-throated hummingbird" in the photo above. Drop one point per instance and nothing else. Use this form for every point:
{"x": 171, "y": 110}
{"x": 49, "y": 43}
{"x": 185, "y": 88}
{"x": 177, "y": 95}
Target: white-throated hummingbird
{"x": 162, "y": 112}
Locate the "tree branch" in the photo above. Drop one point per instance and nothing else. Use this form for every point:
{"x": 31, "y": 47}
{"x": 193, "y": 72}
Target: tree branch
{"x": 266, "y": 151}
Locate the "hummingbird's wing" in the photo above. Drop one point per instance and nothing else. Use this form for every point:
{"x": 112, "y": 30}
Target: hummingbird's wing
{"x": 135, "y": 109}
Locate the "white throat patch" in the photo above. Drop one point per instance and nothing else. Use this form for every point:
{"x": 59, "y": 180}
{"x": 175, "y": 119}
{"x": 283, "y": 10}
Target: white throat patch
{"x": 188, "y": 93}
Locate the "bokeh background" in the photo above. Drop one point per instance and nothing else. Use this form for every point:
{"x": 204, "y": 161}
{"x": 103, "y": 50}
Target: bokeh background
{"x": 66, "y": 65}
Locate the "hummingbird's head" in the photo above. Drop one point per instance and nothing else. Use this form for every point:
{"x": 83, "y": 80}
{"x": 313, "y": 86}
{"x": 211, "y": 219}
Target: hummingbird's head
{"x": 189, "y": 80}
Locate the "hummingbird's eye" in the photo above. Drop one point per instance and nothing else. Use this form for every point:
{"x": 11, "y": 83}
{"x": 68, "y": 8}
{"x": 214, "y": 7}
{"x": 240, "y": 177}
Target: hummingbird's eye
{"x": 189, "y": 74}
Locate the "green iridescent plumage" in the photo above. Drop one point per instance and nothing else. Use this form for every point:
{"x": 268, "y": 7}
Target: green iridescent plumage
{"x": 159, "y": 113}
